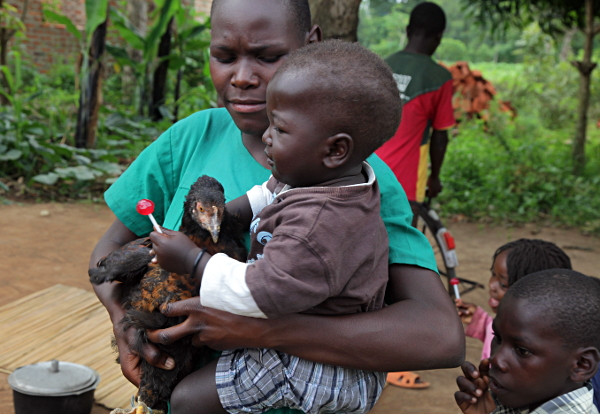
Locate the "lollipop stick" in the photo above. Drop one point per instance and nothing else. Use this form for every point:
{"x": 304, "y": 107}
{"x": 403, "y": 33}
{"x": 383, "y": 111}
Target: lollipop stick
{"x": 154, "y": 223}
{"x": 456, "y": 293}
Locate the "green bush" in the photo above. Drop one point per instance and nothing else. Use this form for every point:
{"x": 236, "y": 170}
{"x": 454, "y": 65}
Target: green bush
{"x": 515, "y": 172}
{"x": 451, "y": 50}
{"x": 37, "y": 155}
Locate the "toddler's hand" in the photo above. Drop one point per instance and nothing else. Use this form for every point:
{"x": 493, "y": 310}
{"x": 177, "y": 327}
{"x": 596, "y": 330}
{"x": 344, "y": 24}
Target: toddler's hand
{"x": 175, "y": 252}
{"x": 465, "y": 310}
{"x": 473, "y": 396}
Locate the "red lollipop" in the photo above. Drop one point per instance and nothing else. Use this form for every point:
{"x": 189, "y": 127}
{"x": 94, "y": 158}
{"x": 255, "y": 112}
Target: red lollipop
{"x": 146, "y": 207}
{"x": 454, "y": 282}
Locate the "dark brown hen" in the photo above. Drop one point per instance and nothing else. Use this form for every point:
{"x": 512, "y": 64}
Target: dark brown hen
{"x": 147, "y": 287}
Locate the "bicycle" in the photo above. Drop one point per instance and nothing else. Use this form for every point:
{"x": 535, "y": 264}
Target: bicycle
{"x": 428, "y": 222}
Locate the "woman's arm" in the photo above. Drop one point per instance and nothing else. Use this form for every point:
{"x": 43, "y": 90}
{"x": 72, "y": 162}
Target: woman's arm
{"x": 419, "y": 330}
{"x": 109, "y": 295}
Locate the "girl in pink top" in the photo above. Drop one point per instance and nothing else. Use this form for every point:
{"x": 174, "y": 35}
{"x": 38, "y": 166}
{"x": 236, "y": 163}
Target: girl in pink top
{"x": 511, "y": 262}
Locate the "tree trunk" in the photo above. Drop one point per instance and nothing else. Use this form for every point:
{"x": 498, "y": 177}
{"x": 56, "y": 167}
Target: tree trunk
{"x": 91, "y": 87}
{"x": 566, "y": 49}
{"x": 177, "y": 94}
{"x": 137, "y": 13}
{"x": 3, "y": 53}
{"x": 5, "y": 35}
{"x": 585, "y": 67}
{"x": 338, "y": 18}
{"x": 159, "y": 81}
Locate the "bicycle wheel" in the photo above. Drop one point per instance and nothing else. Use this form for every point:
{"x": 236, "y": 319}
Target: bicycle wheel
{"x": 428, "y": 222}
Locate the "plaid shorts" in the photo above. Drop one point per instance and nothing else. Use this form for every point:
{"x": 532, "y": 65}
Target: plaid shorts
{"x": 256, "y": 380}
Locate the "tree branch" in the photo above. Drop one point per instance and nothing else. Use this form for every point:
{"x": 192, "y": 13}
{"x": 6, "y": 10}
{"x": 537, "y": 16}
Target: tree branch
{"x": 8, "y": 34}
{"x": 596, "y": 30}
{"x": 24, "y": 14}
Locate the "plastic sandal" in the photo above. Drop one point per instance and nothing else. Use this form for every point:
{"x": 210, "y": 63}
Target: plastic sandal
{"x": 406, "y": 379}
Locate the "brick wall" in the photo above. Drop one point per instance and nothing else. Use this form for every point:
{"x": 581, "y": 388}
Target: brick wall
{"x": 46, "y": 43}
{"x": 49, "y": 44}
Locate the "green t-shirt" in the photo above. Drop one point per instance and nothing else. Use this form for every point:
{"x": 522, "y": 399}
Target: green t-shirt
{"x": 208, "y": 142}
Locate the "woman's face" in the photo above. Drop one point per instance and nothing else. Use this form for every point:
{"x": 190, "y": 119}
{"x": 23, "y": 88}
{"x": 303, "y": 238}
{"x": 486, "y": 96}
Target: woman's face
{"x": 249, "y": 41}
{"x": 499, "y": 280}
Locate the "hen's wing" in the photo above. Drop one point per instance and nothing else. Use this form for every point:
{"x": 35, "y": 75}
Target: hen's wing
{"x": 127, "y": 264}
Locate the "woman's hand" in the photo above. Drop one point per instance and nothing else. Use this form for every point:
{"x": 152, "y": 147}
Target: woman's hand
{"x": 211, "y": 327}
{"x": 175, "y": 252}
{"x": 473, "y": 396}
{"x": 131, "y": 361}
{"x": 465, "y": 310}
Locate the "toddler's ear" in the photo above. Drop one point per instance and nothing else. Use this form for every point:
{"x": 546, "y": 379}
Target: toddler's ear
{"x": 587, "y": 364}
{"x": 339, "y": 150}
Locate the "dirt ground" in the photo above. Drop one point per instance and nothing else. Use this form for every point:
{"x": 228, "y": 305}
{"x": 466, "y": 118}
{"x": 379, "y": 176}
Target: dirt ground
{"x": 45, "y": 244}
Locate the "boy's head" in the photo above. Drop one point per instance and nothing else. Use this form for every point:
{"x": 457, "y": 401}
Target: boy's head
{"x": 547, "y": 336}
{"x": 330, "y": 105}
{"x": 426, "y": 27}
{"x": 519, "y": 258}
{"x": 249, "y": 41}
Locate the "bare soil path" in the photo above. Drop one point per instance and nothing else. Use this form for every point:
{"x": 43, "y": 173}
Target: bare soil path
{"x": 45, "y": 244}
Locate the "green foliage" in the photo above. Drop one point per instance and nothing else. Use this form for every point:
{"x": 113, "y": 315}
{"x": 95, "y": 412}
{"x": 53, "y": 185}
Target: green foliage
{"x": 36, "y": 149}
{"x": 452, "y": 50}
{"x": 95, "y": 14}
{"x": 383, "y": 34}
{"x": 553, "y": 16}
{"x": 61, "y": 19}
{"x": 9, "y": 19}
{"x": 37, "y": 153}
{"x": 189, "y": 42}
{"x": 540, "y": 87}
{"x": 516, "y": 172}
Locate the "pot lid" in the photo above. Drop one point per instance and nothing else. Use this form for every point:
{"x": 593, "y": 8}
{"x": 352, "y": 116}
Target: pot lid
{"x": 54, "y": 378}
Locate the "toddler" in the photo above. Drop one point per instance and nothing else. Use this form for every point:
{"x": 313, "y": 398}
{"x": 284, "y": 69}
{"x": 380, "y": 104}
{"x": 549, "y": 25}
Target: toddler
{"x": 318, "y": 244}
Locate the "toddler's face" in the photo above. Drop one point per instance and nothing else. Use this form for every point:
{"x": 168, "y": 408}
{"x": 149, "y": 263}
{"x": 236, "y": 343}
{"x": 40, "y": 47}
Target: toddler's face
{"x": 295, "y": 139}
{"x": 529, "y": 364}
{"x": 498, "y": 281}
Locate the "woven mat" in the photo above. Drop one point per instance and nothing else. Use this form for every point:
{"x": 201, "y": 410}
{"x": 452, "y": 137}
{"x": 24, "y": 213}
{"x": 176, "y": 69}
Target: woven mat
{"x": 67, "y": 324}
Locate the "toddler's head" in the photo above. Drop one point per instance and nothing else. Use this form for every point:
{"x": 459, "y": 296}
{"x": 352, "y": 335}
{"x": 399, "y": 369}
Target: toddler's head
{"x": 547, "y": 338}
{"x": 519, "y": 258}
{"x": 330, "y": 105}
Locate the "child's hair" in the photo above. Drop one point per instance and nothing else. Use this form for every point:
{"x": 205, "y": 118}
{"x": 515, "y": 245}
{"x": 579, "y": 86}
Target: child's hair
{"x": 570, "y": 301}
{"x": 427, "y": 18}
{"x": 527, "y": 256}
{"x": 298, "y": 8}
{"x": 355, "y": 88}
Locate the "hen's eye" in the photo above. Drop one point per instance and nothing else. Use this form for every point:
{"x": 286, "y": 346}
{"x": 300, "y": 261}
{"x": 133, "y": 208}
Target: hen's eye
{"x": 201, "y": 209}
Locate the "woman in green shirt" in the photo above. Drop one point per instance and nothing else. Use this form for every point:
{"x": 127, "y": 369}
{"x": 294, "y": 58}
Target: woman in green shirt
{"x": 420, "y": 329}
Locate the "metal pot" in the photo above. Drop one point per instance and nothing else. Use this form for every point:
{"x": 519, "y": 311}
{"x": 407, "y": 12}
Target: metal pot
{"x": 53, "y": 387}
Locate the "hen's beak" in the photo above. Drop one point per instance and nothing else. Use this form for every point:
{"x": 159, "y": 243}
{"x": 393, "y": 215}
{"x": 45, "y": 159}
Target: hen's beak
{"x": 214, "y": 225}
